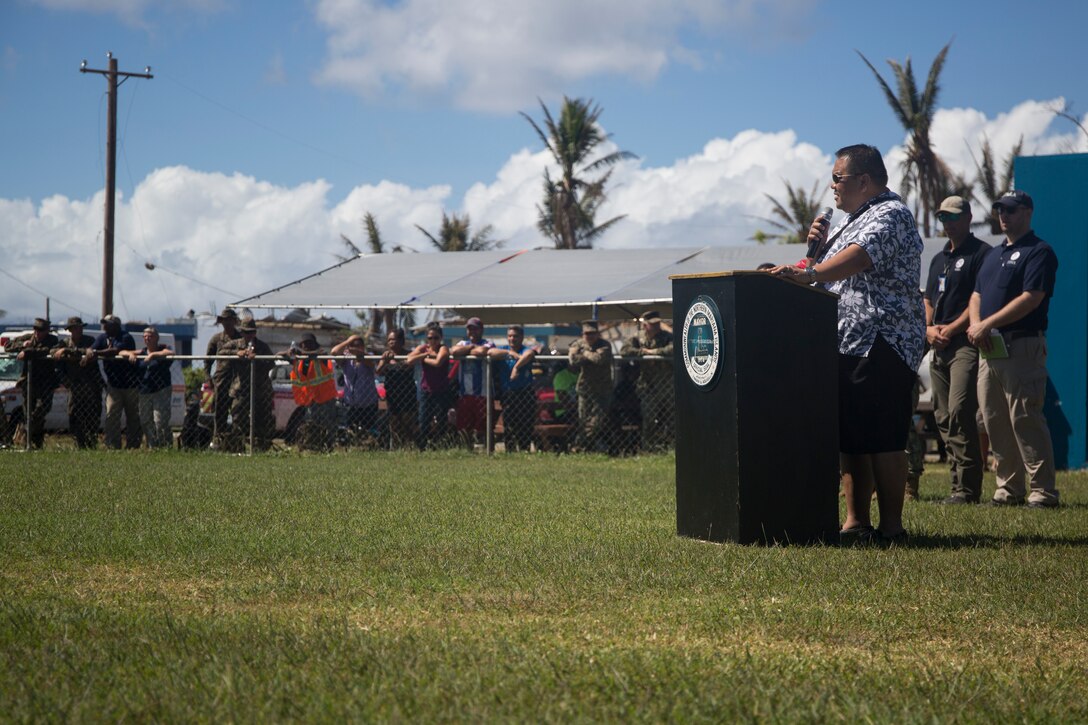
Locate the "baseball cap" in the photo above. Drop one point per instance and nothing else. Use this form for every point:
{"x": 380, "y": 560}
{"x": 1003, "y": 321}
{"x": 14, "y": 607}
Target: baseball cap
{"x": 1013, "y": 199}
{"x": 954, "y": 205}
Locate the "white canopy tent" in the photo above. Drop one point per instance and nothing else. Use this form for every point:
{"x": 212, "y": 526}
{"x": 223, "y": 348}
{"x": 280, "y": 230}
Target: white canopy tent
{"x": 530, "y": 286}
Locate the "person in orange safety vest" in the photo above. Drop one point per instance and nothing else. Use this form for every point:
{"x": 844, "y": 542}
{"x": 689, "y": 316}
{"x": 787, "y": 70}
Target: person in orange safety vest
{"x": 313, "y": 383}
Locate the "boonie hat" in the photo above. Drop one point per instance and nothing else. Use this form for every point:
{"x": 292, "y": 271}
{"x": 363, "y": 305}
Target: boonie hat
{"x": 74, "y": 322}
{"x": 41, "y": 323}
{"x": 228, "y": 313}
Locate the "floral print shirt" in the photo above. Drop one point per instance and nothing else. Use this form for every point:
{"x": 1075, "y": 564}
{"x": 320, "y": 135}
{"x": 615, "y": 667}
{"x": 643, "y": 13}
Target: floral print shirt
{"x": 885, "y": 299}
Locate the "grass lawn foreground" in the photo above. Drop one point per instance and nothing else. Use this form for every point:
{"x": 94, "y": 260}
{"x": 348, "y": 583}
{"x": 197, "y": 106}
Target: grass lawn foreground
{"x": 453, "y": 587}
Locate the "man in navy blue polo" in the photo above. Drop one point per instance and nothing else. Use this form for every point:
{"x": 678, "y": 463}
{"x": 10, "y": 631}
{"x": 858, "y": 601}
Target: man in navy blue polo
{"x": 122, "y": 384}
{"x": 1008, "y": 312}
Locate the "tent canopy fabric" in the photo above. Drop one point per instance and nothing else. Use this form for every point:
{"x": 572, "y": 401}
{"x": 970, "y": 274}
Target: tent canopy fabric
{"x": 530, "y": 286}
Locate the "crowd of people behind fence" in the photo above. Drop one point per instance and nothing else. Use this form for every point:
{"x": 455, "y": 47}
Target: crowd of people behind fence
{"x": 984, "y": 314}
{"x": 436, "y": 393}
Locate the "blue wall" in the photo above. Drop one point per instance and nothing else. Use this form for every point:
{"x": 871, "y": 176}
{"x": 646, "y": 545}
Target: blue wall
{"x": 1059, "y": 187}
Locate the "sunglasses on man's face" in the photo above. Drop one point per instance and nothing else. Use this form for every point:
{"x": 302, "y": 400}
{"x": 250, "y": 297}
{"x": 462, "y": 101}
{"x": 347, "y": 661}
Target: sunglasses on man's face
{"x": 947, "y": 216}
{"x": 1008, "y": 210}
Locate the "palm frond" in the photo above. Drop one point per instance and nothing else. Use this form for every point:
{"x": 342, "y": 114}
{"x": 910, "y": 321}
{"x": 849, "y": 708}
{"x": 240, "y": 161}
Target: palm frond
{"x": 570, "y": 203}
{"x": 373, "y": 236}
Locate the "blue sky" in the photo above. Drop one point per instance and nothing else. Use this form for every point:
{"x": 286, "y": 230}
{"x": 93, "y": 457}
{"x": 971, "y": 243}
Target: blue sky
{"x": 270, "y": 128}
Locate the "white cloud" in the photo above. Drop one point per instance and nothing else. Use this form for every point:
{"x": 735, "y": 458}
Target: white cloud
{"x": 243, "y": 235}
{"x": 397, "y": 209}
{"x": 498, "y": 56}
{"x": 231, "y": 232}
{"x": 711, "y": 198}
{"x": 958, "y": 135}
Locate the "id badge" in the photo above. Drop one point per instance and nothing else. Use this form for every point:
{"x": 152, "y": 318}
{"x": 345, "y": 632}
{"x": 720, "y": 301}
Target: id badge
{"x": 940, "y": 284}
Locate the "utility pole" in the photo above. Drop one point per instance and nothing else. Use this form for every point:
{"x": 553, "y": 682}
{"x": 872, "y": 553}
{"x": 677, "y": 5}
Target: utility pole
{"x": 112, "y": 75}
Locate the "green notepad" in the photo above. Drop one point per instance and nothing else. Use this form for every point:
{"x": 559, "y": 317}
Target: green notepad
{"x": 998, "y": 351}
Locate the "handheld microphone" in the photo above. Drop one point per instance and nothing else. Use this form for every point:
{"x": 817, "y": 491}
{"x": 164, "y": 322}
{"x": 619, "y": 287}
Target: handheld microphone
{"x": 825, "y": 217}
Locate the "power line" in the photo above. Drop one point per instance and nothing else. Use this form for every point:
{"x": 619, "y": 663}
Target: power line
{"x": 151, "y": 266}
{"x": 35, "y": 290}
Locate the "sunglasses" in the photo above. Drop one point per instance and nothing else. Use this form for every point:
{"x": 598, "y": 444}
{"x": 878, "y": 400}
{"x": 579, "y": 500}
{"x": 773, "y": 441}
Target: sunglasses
{"x": 838, "y": 178}
{"x": 946, "y": 216}
{"x": 1007, "y": 211}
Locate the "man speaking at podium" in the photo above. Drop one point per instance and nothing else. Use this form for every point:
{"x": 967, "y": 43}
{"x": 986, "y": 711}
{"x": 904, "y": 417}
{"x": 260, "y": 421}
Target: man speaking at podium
{"x": 872, "y": 260}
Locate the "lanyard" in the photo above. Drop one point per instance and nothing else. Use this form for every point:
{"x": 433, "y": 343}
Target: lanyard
{"x": 849, "y": 220}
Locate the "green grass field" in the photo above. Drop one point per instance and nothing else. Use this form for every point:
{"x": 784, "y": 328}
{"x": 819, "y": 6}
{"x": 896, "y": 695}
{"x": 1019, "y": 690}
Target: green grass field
{"x": 452, "y": 587}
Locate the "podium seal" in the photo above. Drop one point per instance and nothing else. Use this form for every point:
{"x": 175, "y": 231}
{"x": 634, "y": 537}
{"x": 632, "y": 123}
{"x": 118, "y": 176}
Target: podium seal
{"x": 702, "y": 342}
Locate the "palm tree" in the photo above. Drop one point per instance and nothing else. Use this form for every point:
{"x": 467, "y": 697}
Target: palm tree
{"x": 794, "y": 217}
{"x": 568, "y": 213}
{"x": 376, "y": 245}
{"x": 927, "y": 172}
{"x": 989, "y": 183}
{"x": 453, "y": 236}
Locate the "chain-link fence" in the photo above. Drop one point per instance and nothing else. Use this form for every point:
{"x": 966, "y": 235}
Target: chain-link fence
{"x": 248, "y": 403}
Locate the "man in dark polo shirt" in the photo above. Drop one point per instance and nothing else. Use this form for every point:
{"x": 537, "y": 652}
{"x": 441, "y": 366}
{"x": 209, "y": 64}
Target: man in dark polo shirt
{"x": 122, "y": 384}
{"x": 954, "y": 366}
{"x": 1008, "y": 312}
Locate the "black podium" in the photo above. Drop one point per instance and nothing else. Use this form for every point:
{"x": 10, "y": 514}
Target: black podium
{"x": 757, "y": 435}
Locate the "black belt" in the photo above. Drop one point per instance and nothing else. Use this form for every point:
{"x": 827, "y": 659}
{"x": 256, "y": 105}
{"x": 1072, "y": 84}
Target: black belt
{"x": 1022, "y": 334}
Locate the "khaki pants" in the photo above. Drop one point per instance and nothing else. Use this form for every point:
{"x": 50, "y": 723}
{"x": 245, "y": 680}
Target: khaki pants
{"x": 124, "y": 401}
{"x": 954, "y": 376}
{"x": 1011, "y": 392}
{"x": 155, "y": 418}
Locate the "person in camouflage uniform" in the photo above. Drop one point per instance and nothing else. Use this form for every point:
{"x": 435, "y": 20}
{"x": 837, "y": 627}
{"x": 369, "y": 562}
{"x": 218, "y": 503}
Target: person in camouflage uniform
{"x": 245, "y": 349}
{"x": 592, "y": 358}
{"x": 39, "y": 376}
{"x": 84, "y": 381}
{"x": 916, "y": 449}
{"x": 655, "y": 383}
{"x": 223, "y": 373}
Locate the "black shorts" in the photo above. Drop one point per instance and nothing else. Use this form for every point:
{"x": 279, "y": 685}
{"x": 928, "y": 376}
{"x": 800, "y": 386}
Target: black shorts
{"x": 874, "y": 401}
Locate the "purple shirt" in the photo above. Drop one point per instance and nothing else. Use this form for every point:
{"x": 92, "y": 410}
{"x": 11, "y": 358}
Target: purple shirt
{"x": 359, "y": 389}
{"x": 436, "y": 379}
